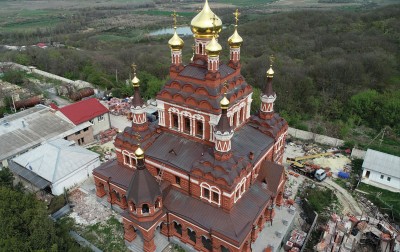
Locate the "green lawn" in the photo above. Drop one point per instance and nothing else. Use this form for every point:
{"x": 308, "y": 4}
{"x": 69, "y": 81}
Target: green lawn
{"x": 107, "y": 236}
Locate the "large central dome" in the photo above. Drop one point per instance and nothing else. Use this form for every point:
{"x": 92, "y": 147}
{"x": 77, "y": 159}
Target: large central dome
{"x": 203, "y": 23}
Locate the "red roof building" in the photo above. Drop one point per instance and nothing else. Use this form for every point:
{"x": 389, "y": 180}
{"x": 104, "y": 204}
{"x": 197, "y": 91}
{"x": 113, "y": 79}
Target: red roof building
{"x": 89, "y": 110}
{"x": 207, "y": 172}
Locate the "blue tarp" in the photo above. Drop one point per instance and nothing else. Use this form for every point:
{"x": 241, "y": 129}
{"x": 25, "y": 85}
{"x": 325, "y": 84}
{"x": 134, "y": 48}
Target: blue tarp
{"x": 343, "y": 175}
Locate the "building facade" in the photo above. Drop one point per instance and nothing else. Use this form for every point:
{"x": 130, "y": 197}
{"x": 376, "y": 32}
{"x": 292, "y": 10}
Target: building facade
{"x": 207, "y": 172}
{"x": 381, "y": 170}
{"x": 89, "y": 110}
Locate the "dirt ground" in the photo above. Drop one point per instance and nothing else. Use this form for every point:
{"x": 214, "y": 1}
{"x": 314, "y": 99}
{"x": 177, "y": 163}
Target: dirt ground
{"x": 336, "y": 163}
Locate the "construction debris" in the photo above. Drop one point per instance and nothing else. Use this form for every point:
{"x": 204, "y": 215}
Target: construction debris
{"x": 353, "y": 234}
{"x": 86, "y": 209}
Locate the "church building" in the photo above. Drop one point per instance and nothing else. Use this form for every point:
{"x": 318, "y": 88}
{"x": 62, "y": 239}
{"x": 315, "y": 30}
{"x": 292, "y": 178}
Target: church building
{"x": 207, "y": 172}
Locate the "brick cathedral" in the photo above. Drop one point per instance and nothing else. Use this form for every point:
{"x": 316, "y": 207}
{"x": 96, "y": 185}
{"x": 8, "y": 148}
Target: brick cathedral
{"x": 207, "y": 172}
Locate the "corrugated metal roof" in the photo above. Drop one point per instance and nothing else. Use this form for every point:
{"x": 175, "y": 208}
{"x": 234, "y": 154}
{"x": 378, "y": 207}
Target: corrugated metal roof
{"x": 29, "y": 175}
{"x": 382, "y": 162}
{"x": 28, "y": 129}
{"x": 56, "y": 159}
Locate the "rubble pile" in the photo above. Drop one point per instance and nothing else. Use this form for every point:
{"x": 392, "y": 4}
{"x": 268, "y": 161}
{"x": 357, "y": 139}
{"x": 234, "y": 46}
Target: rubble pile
{"x": 108, "y": 135}
{"x": 86, "y": 209}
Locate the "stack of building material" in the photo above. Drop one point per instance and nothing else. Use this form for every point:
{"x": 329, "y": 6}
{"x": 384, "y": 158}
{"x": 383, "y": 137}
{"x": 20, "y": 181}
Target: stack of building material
{"x": 119, "y": 106}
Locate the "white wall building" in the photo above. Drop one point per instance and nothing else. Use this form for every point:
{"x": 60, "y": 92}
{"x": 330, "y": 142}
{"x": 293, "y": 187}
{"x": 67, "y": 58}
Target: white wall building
{"x": 381, "y": 170}
{"x": 56, "y": 165}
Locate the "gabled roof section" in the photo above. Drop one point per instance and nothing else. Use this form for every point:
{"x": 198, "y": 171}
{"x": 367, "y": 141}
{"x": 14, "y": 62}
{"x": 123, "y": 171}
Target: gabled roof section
{"x": 382, "y": 162}
{"x": 235, "y": 224}
{"x": 84, "y": 110}
{"x": 271, "y": 174}
{"x": 56, "y": 159}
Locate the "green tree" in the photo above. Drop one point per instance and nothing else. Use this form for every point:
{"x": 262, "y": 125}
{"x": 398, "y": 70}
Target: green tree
{"x": 6, "y": 178}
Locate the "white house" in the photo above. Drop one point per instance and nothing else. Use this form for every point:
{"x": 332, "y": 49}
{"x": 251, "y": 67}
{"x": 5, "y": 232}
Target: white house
{"x": 381, "y": 170}
{"x": 54, "y": 166}
{"x": 89, "y": 110}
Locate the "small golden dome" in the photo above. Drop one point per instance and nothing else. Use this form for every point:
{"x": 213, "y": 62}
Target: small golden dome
{"x": 213, "y": 48}
{"x": 235, "y": 41}
{"x": 270, "y": 72}
{"x": 224, "y": 103}
{"x": 135, "y": 81}
{"x": 176, "y": 43}
{"x": 204, "y": 23}
{"x": 139, "y": 153}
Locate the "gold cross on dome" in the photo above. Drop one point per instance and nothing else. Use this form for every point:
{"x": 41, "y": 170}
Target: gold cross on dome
{"x": 236, "y": 14}
{"x": 133, "y": 66}
{"x": 225, "y": 86}
{"x": 214, "y": 18}
{"x": 138, "y": 137}
{"x": 174, "y": 15}
{"x": 271, "y": 59}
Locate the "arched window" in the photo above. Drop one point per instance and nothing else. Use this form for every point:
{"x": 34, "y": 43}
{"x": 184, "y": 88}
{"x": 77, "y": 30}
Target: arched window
{"x": 224, "y": 249}
{"x": 210, "y": 193}
{"x": 145, "y": 209}
{"x": 187, "y": 125}
{"x": 175, "y": 121}
{"x": 199, "y": 129}
{"x": 157, "y": 204}
{"x": 192, "y": 235}
{"x": 206, "y": 243}
{"x": 178, "y": 227}
{"x": 132, "y": 207}
{"x": 240, "y": 189}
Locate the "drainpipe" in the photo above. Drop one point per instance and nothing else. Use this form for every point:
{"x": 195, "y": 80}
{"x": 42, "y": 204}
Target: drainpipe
{"x": 168, "y": 226}
{"x": 190, "y": 187}
{"x": 109, "y": 192}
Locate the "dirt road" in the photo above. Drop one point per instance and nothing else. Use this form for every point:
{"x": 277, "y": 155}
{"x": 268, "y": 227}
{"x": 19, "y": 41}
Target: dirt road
{"x": 347, "y": 201}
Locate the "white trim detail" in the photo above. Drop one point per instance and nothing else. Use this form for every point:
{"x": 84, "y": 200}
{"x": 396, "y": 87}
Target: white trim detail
{"x": 211, "y": 189}
{"x": 166, "y": 169}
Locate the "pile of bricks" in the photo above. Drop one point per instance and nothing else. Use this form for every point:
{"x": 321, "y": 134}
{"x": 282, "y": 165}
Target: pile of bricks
{"x": 119, "y": 107}
{"x": 108, "y": 135}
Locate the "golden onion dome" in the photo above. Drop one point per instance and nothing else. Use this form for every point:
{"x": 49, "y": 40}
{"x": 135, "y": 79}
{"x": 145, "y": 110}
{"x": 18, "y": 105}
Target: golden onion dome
{"x": 235, "y": 41}
{"x": 139, "y": 153}
{"x": 135, "y": 81}
{"x": 176, "y": 43}
{"x": 224, "y": 103}
{"x": 213, "y": 48}
{"x": 205, "y": 22}
{"x": 270, "y": 72}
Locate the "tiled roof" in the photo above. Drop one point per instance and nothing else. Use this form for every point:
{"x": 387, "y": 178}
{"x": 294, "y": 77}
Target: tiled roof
{"x": 235, "y": 224}
{"x": 143, "y": 188}
{"x": 271, "y": 174}
{"x": 84, "y": 110}
{"x": 118, "y": 174}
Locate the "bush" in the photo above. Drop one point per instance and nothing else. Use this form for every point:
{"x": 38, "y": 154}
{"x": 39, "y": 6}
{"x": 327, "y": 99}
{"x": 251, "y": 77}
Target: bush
{"x": 56, "y": 204}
